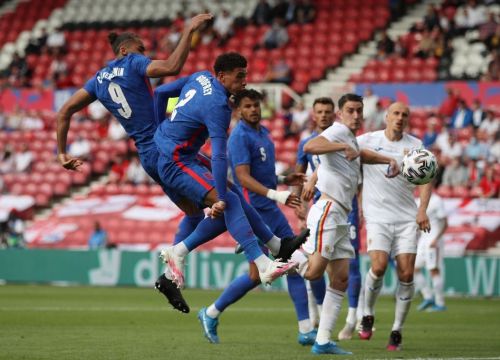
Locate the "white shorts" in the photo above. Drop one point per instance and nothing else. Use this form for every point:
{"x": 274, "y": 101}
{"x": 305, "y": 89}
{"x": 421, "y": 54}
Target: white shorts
{"x": 430, "y": 258}
{"x": 394, "y": 239}
{"x": 327, "y": 221}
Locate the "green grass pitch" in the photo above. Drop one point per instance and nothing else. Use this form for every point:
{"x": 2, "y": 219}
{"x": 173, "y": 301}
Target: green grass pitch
{"x": 44, "y": 322}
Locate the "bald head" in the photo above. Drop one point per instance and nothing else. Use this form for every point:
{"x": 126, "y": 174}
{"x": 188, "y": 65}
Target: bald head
{"x": 400, "y": 106}
{"x": 396, "y": 118}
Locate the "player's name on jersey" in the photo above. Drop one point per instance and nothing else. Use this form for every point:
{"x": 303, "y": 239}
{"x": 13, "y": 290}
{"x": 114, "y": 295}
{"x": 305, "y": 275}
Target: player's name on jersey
{"x": 117, "y": 71}
{"x": 205, "y": 84}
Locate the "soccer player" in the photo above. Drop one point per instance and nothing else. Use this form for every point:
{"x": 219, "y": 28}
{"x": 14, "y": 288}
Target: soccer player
{"x": 323, "y": 115}
{"x": 204, "y": 111}
{"x": 123, "y": 87}
{"x": 430, "y": 255}
{"x": 252, "y": 159}
{"x": 329, "y": 246}
{"x": 392, "y": 220}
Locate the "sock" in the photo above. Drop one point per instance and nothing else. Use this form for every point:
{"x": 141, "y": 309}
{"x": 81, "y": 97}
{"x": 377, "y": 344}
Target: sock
{"x": 354, "y": 284}
{"x": 351, "y": 316}
{"x": 187, "y": 226}
{"x": 258, "y": 225}
{"x": 298, "y": 293}
{"x": 181, "y": 249}
{"x": 206, "y": 230}
{"x": 235, "y": 291}
{"x": 359, "y": 311}
{"x": 274, "y": 245}
{"x": 311, "y": 304}
{"x": 301, "y": 259}
{"x": 262, "y": 262}
{"x": 212, "y": 311}
{"x": 404, "y": 295}
{"x": 305, "y": 326}
{"x": 373, "y": 285}
{"x": 438, "y": 287}
{"x": 318, "y": 288}
{"x": 238, "y": 226}
{"x": 329, "y": 315}
{"x": 421, "y": 285}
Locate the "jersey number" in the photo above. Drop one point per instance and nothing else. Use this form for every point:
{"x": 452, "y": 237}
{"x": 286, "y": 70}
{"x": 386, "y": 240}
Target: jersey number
{"x": 263, "y": 155}
{"x": 188, "y": 96}
{"x": 116, "y": 93}
{"x": 352, "y": 232}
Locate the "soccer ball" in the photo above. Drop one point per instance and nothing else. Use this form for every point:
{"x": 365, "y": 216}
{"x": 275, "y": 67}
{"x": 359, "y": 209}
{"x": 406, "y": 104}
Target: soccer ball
{"x": 419, "y": 166}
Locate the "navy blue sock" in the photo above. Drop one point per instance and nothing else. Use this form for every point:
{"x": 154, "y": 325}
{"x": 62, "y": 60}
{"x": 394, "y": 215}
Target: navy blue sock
{"x": 206, "y": 230}
{"x": 298, "y": 293}
{"x": 318, "y": 288}
{"x": 258, "y": 225}
{"x": 239, "y": 228}
{"x": 235, "y": 291}
{"x": 354, "y": 285}
{"x": 187, "y": 226}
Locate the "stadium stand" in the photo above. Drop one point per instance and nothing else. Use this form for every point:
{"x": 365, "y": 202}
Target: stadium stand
{"x": 431, "y": 50}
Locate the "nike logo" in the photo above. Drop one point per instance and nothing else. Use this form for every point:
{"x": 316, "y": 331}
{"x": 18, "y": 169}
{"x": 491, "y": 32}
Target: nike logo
{"x": 405, "y": 298}
{"x": 378, "y": 148}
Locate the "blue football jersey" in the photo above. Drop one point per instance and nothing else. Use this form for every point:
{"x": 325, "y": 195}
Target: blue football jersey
{"x": 248, "y": 146}
{"x": 202, "y": 111}
{"x": 304, "y": 158}
{"x": 124, "y": 89}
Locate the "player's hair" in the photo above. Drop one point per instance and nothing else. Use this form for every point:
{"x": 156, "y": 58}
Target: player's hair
{"x": 325, "y": 101}
{"x": 229, "y": 61}
{"x": 349, "y": 97}
{"x": 247, "y": 93}
{"x": 117, "y": 40}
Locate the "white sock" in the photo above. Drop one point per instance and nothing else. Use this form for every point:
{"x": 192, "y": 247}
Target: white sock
{"x": 299, "y": 257}
{"x": 274, "y": 245}
{"x": 329, "y": 315}
{"x": 213, "y": 312}
{"x": 421, "y": 285}
{"x": 373, "y": 285}
{"x": 305, "y": 326}
{"x": 351, "y": 316}
{"x": 404, "y": 294}
{"x": 311, "y": 304}
{"x": 262, "y": 262}
{"x": 361, "y": 301}
{"x": 320, "y": 308}
{"x": 181, "y": 249}
{"x": 437, "y": 286}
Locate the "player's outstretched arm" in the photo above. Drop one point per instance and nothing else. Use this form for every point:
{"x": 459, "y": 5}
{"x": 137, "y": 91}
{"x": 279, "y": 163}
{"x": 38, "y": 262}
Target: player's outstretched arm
{"x": 176, "y": 60}
{"x": 299, "y": 168}
{"x": 293, "y": 179}
{"x": 372, "y": 157}
{"x": 75, "y": 103}
{"x": 164, "y": 92}
{"x": 321, "y": 145}
{"x": 310, "y": 186}
{"x": 249, "y": 182}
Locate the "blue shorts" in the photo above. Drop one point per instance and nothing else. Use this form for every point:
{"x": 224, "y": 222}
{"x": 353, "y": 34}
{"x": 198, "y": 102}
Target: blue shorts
{"x": 276, "y": 221}
{"x": 187, "y": 178}
{"x": 149, "y": 161}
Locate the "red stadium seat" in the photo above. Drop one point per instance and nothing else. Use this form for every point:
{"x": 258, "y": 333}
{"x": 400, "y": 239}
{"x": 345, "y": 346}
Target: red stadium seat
{"x": 445, "y": 191}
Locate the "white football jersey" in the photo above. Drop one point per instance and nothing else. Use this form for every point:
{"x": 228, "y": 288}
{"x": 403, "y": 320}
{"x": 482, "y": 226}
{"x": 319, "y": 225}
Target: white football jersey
{"x": 387, "y": 200}
{"x": 337, "y": 176}
{"x": 436, "y": 213}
